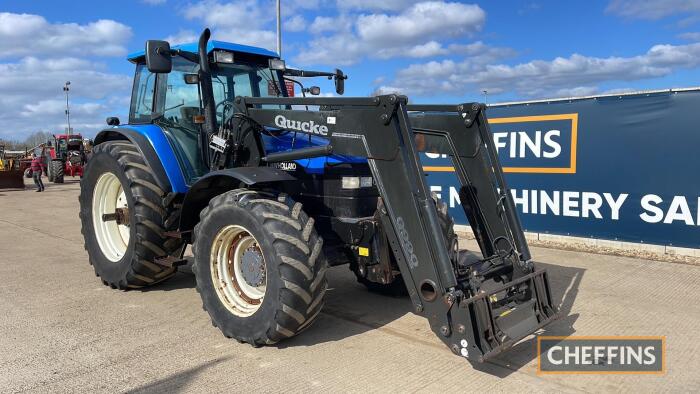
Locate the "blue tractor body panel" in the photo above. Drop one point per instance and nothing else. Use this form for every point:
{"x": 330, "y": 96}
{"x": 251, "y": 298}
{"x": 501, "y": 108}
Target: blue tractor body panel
{"x": 165, "y": 153}
{"x": 212, "y": 45}
{"x": 315, "y": 165}
{"x": 179, "y": 184}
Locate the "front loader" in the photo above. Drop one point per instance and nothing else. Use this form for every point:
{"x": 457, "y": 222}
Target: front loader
{"x": 271, "y": 190}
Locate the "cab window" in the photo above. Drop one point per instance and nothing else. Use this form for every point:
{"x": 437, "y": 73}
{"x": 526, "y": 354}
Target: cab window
{"x": 229, "y": 81}
{"x": 179, "y": 102}
{"x": 142, "y": 98}
{"x": 181, "y": 99}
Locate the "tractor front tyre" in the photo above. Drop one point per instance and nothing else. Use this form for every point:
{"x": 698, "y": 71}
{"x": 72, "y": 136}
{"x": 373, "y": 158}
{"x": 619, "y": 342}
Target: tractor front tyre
{"x": 58, "y": 170}
{"x": 124, "y": 218}
{"x": 259, "y": 266}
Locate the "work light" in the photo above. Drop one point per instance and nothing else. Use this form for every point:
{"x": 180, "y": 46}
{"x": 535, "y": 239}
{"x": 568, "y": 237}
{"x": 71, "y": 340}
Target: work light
{"x": 223, "y": 57}
{"x": 277, "y": 64}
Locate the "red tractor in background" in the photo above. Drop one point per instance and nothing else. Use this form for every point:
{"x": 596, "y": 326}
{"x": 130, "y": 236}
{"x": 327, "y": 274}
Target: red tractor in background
{"x": 65, "y": 155}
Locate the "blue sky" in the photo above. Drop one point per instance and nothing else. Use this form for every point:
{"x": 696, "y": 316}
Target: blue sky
{"x": 433, "y": 51}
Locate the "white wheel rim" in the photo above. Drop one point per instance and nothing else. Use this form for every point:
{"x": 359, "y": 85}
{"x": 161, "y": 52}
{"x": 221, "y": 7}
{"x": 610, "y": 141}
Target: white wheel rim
{"x": 112, "y": 238}
{"x": 238, "y": 295}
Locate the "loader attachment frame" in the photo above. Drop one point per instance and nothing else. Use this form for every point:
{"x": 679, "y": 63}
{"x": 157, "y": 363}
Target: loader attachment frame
{"x": 477, "y": 308}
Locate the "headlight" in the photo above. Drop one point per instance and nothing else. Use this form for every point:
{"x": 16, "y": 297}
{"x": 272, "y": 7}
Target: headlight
{"x": 351, "y": 182}
{"x": 356, "y": 182}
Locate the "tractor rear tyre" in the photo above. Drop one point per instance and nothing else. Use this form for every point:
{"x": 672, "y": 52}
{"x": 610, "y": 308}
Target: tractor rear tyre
{"x": 58, "y": 170}
{"x": 122, "y": 248}
{"x": 259, "y": 266}
{"x": 397, "y": 287}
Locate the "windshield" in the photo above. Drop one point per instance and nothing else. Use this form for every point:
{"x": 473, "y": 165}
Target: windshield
{"x": 229, "y": 81}
{"x": 183, "y": 100}
{"x": 179, "y": 101}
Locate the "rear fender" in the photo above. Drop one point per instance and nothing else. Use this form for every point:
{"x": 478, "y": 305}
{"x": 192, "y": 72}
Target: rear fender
{"x": 217, "y": 182}
{"x": 156, "y": 150}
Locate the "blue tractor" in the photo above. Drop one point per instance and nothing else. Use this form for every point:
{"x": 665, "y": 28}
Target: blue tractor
{"x": 271, "y": 190}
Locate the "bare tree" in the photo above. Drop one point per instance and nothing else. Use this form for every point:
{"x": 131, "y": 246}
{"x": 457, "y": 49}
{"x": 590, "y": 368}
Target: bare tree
{"x": 36, "y": 138}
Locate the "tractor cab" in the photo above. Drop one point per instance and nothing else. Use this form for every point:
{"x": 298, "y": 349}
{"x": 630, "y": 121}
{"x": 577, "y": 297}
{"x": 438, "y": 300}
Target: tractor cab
{"x": 65, "y": 145}
{"x": 188, "y": 91}
{"x": 174, "y": 100}
{"x": 236, "y": 70}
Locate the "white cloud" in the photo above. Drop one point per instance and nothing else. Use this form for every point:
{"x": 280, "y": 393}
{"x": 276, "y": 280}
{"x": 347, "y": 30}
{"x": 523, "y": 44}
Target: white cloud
{"x": 243, "y": 21}
{"x": 296, "y": 23}
{"x": 412, "y": 32}
{"x": 27, "y": 34}
{"x": 154, "y": 2}
{"x": 323, "y": 24}
{"x": 33, "y": 98}
{"x": 244, "y": 13}
{"x": 58, "y": 106}
{"x": 260, "y": 38}
{"x": 421, "y": 21}
{"x": 652, "y": 9}
{"x": 477, "y": 51}
{"x": 430, "y": 48}
{"x": 384, "y": 89}
{"x": 577, "y": 91}
{"x": 619, "y": 91}
{"x": 540, "y": 78}
{"x": 690, "y": 36}
{"x": 375, "y": 5}
{"x": 41, "y": 56}
{"x": 182, "y": 37}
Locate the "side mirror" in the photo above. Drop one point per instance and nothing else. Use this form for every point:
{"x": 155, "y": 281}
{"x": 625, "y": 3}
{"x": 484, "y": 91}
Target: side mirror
{"x": 314, "y": 90}
{"x": 340, "y": 81}
{"x": 113, "y": 121}
{"x": 158, "y": 57}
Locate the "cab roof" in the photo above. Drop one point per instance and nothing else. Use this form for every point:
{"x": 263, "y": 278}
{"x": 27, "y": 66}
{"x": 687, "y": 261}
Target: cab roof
{"x": 211, "y": 46}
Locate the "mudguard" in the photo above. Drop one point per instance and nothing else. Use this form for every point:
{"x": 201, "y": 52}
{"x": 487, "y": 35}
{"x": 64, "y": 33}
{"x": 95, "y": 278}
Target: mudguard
{"x": 217, "y": 182}
{"x": 156, "y": 150}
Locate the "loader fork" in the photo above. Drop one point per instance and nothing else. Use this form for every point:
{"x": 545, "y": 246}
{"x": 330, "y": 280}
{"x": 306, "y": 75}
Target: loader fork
{"x": 477, "y": 308}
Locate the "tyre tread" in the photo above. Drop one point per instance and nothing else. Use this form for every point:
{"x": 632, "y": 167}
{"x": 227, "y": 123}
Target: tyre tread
{"x": 154, "y": 219}
{"x": 302, "y": 268}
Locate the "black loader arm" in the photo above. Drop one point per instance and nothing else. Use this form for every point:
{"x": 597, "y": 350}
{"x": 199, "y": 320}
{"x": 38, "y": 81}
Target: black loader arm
{"x": 477, "y": 308}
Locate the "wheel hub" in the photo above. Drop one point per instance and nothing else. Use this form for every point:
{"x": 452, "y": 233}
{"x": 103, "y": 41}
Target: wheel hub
{"x": 253, "y": 266}
{"x": 120, "y": 215}
{"x": 238, "y": 270}
{"x": 110, "y": 217}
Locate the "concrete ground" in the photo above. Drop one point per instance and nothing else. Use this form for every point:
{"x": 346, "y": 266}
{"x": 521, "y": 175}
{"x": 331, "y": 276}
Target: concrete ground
{"x": 62, "y": 330}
